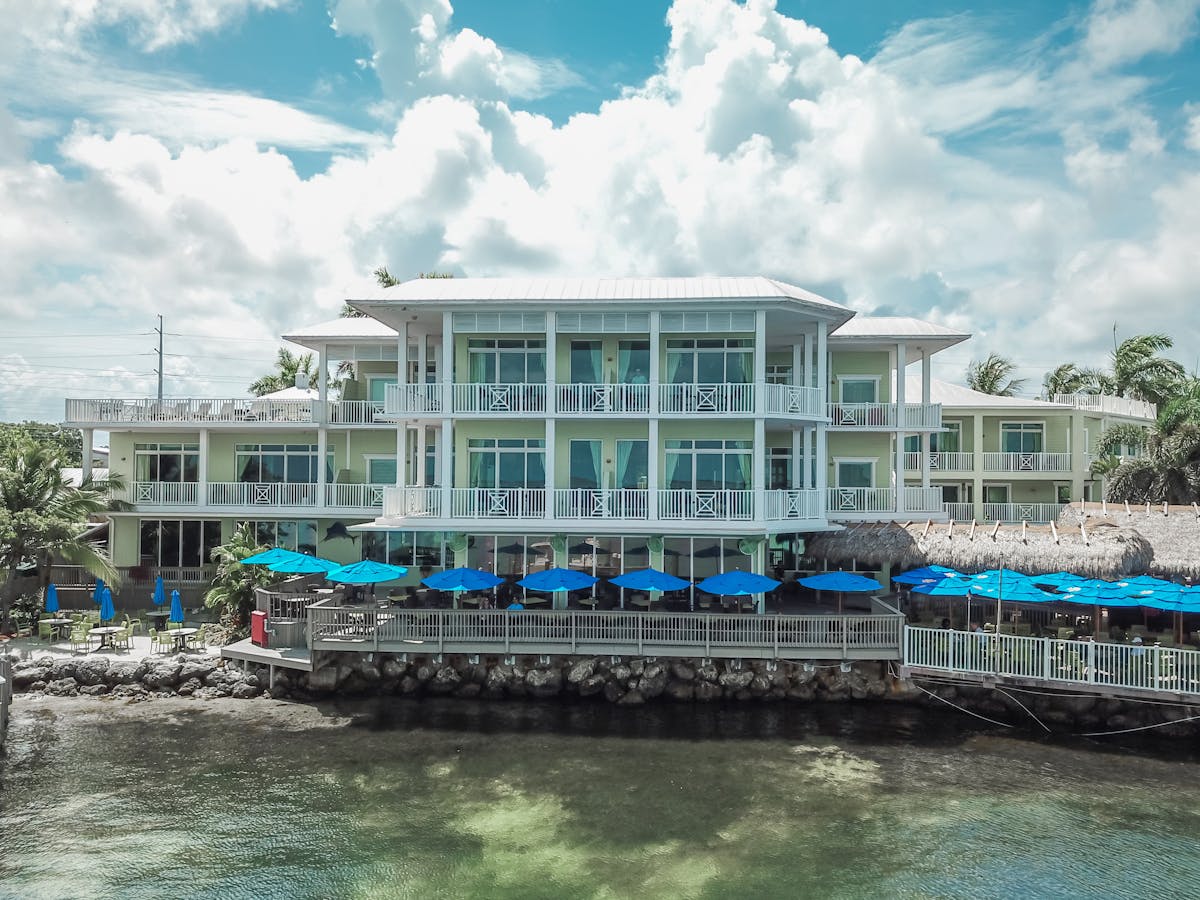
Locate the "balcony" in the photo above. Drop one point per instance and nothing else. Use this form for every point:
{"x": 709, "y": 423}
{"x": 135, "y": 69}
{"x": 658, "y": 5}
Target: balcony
{"x": 205, "y": 413}
{"x": 883, "y": 416}
{"x": 162, "y": 493}
{"x": 1034, "y": 513}
{"x": 776, "y": 400}
{"x": 1103, "y": 404}
{"x": 238, "y": 493}
{"x": 940, "y": 462}
{"x": 1027, "y": 462}
{"x": 620, "y": 504}
{"x": 143, "y": 494}
{"x": 857, "y": 501}
{"x": 354, "y": 496}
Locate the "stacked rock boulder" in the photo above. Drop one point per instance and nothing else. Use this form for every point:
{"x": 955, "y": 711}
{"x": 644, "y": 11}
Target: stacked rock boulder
{"x": 136, "y": 679}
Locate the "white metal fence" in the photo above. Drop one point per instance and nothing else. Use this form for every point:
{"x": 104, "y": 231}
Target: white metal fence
{"x": 1027, "y": 462}
{"x": 940, "y": 462}
{"x": 354, "y": 496}
{"x": 1021, "y": 512}
{"x": 706, "y": 398}
{"x": 1131, "y": 666}
{"x": 619, "y": 399}
{"x": 241, "y": 493}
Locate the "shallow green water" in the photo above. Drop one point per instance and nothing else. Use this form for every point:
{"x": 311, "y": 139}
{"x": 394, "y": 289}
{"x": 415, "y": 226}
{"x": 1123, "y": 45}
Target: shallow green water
{"x": 186, "y": 799}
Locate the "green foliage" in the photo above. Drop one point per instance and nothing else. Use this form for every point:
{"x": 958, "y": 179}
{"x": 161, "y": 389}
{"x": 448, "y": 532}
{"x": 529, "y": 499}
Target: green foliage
{"x": 1168, "y": 470}
{"x": 1069, "y": 378}
{"x": 1136, "y": 370}
{"x": 42, "y": 517}
{"x": 232, "y": 591}
{"x": 68, "y": 441}
{"x": 287, "y": 366}
{"x": 994, "y": 376}
{"x": 386, "y": 279}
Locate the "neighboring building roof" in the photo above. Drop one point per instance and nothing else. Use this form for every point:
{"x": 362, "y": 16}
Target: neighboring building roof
{"x": 292, "y": 393}
{"x": 343, "y": 327}
{"x": 957, "y": 396}
{"x": 898, "y": 327}
{"x": 74, "y": 475}
{"x": 566, "y": 290}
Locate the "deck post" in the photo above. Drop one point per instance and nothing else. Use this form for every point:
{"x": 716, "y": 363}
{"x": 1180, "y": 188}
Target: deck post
{"x": 376, "y": 630}
{"x": 572, "y": 633}
{"x": 707, "y": 635}
{"x": 845, "y": 641}
{"x": 1047, "y": 658}
{"x": 507, "y": 633}
{"x": 1157, "y": 657}
{"x": 441, "y": 631}
{"x": 639, "y": 631}
{"x": 775, "y": 631}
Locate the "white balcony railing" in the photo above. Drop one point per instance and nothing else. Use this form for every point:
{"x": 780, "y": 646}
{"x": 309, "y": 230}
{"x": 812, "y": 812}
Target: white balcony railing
{"x": 718, "y": 504}
{"x": 787, "y": 505}
{"x": 1038, "y": 513}
{"x": 1027, "y": 462}
{"x": 498, "y": 503}
{"x": 354, "y": 496}
{"x": 413, "y": 399}
{"x": 188, "y": 411}
{"x": 1102, "y": 403}
{"x": 923, "y": 500}
{"x": 355, "y": 412}
{"x": 586, "y": 503}
{"x": 163, "y": 493}
{"x": 960, "y": 512}
{"x": 706, "y": 398}
{"x": 602, "y": 398}
{"x": 859, "y": 499}
{"x": 952, "y": 461}
{"x": 237, "y": 493}
{"x": 418, "y": 502}
{"x": 500, "y": 398}
{"x": 792, "y": 400}
{"x": 917, "y": 416}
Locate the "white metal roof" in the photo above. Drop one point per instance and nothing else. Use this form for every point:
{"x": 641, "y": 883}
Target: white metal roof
{"x": 956, "y": 395}
{"x": 566, "y": 290}
{"x": 343, "y": 327}
{"x": 898, "y": 327}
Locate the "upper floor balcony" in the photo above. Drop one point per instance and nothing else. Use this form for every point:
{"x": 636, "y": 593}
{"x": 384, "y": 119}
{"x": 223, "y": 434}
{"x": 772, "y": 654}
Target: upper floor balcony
{"x": 602, "y": 400}
{"x": 885, "y": 416}
{"x": 231, "y": 496}
{"x": 719, "y": 508}
{"x": 206, "y": 413}
{"x": 993, "y": 463}
{"x": 874, "y": 503}
{"x": 940, "y": 461}
{"x": 1103, "y": 404}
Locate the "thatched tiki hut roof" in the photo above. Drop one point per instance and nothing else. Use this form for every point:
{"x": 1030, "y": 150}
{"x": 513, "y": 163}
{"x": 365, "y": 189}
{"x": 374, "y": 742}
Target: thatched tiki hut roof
{"x": 1097, "y": 549}
{"x": 1173, "y": 532}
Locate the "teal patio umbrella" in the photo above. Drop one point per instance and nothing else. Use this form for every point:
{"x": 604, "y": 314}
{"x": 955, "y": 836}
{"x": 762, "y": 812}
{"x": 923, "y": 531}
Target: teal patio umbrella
{"x": 270, "y": 557}
{"x": 107, "y": 612}
{"x": 51, "y": 599}
{"x": 160, "y": 592}
{"x": 98, "y": 591}
{"x": 303, "y": 564}
{"x": 176, "y": 608}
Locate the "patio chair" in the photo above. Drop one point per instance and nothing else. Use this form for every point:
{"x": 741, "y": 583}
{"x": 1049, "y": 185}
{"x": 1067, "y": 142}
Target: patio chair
{"x": 123, "y": 640}
{"x": 160, "y": 641}
{"x": 134, "y": 625}
{"x": 81, "y": 639}
{"x": 198, "y": 641}
{"x": 47, "y": 631}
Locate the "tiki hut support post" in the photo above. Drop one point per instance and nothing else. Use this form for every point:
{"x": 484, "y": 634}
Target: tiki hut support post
{"x": 1024, "y": 531}
{"x": 1054, "y": 530}
{"x": 929, "y": 524}
{"x": 971, "y": 533}
{"x": 995, "y": 529}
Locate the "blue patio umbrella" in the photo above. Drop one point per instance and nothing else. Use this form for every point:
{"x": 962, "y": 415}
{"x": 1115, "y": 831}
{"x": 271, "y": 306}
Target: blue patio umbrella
{"x": 270, "y": 557}
{"x": 462, "y": 579}
{"x": 107, "y": 612}
{"x": 1058, "y": 579}
{"x": 176, "y": 608}
{"x": 649, "y": 580}
{"x": 957, "y": 585}
{"x": 737, "y": 584}
{"x": 160, "y": 592}
{"x": 924, "y": 575}
{"x": 51, "y": 599}
{"x": 557, "y": 579}
{"x": 1165, "y": 595}
{"x": 842, "y": 582}
{"x": 303, "y": 564}
{"x": 1094, "y": 592}
{"x": 98, "y": 591}
{"x": 365, "y": 572}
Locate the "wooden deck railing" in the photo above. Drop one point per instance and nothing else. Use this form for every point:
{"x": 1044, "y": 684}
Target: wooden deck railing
{"x": 1117, "y": 666}
{"x": 572, "y": 632}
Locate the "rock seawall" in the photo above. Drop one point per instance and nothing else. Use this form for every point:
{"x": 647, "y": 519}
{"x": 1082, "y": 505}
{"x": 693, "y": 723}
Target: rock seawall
{"x": 203, "y": 677}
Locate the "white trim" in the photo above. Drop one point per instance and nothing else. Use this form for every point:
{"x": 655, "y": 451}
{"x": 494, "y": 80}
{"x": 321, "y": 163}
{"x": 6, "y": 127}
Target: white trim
{"x": 838, "y": 460}
{"x": 842, "y": 379}
{"x": 1007, "y": 485}
{"x": 1039, "y": 422}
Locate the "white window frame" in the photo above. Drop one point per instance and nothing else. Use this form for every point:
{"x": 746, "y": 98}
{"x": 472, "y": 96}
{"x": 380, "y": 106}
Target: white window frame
{"x": 1007, "y": 485}
{"x": 368, "y": 458}
{"x": 837, "y": 469}
{"x": 371, "y": 379}
{"x": 842, "y": 379}
{"x": 1040, "y": 423}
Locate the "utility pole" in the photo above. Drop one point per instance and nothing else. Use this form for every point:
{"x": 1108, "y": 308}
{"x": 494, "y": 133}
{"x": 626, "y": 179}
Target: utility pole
{"x": 159, "y": 329}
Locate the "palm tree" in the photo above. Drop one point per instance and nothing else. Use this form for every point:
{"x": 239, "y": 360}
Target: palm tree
{"x": 1167, "y": 471}
{"x": 287, "y": 366}
{"x": 1069, "y": 378}
{"x": 993, "y": 376}
{"x": 1138, "y": 371}
{"x": 42, "y": 516}
{"x": 232, "y": 591}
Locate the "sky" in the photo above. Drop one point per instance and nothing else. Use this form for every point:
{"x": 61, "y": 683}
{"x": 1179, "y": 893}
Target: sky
{"x": 1024, "y": 171}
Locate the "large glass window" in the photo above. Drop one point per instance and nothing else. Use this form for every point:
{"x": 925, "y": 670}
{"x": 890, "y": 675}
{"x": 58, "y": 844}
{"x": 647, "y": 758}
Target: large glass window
{"x": 167, "y": 462}
{"x": 995, "y": 493}
{"x": 585, "y": 465}
{"x": 708, "y": 465}
{"x": 507, "y": 463}
{"x": 948, "y": 441}
{"x": 709, "y": 361}
{"x": 779, "y": 472}
{"x": 633, "y": 362}
{"x": 176, "y": 543}
{"x": 858, "y": 390}
{"x": 381, "y": 470}
{"x": 633, "y": 464}
{"x": 378, "y": 385}
{"x": 1021, "y": 437}
{"x": 586, "y": 362}
{"x": 298, "y": 535}
{"x": 779, "y": 374}
{"x": 280, "y": 463}
{"x": 855, "y": 473}
{"x": 507, "y": 361}
{"x": 423, "y": 549}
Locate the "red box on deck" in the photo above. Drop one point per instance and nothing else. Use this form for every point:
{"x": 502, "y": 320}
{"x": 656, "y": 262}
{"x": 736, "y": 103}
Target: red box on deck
{"x": 258, "y": 628}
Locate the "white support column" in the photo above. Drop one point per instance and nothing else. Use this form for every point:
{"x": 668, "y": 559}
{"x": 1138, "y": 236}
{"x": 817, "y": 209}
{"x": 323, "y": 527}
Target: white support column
{"x": 551, "y": 440}
{"x": 760, "y": 362}
{"x": 401, "y": 426}
{"x": 446, "y": 375}
{"x": 446, "y": 449}
{"x": 799, "y": 455}
{"x": 322, "y": 453}
{"x": 419, "y": 461}
{"x": 806, "y": 473}
{"x": 653, "y": 454}
{"x": 925, "y": 442}
{"x": 202, "y": 469}
{"x": 798, "y": 376}
{"x": 552, "y": 368}
{"x": 402, "y": 454}
{"x": 321, "y": 413}
{"x": 977, "y": 466}
{"x": 655, "y": 366}
{"x": 823, "y": 366}
{"x": 808, "y": 360}
{"x": 821, "y": 464}
{"x": 422, "y": 357}
{"x": 898, "y": 376}
{"x": 402, "y": 353}
{"x": 758, "y": 468}
{"x": 89, "y": 437}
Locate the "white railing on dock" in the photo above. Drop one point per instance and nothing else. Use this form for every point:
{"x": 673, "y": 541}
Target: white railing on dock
{"x": 1131, "y": 666}
{"x": 588, "y": 503}
{"x": 706, "y": 398}
{"x": 239, "y": 493}
{"x": 602, "y": 398}
{"x": 1027, "y": 462}
{"x": 576, "y": 632}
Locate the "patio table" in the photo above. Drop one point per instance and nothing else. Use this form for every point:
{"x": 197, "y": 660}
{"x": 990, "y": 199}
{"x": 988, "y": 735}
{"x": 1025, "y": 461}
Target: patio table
{"x": 62, "y": 626}
{"x": 180, "y": 635}
{"x": 105, "y": 633}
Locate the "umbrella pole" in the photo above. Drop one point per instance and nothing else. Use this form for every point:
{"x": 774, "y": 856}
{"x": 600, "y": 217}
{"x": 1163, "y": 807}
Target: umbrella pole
{"x": 1096, "y": 621}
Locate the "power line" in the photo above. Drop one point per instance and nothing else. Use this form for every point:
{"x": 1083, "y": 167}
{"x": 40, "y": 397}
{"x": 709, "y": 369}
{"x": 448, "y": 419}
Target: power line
{"x": 213, "y": 337}
{"x": 26, "y": 337}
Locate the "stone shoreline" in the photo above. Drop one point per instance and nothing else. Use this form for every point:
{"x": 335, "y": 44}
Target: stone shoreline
{"x": 621, "y": 681}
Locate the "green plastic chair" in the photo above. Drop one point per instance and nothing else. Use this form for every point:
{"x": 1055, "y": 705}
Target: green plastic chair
{"x": 135, "y": 625}
{"x": 198, "y": 641}
{"x": 47, "y": 631}
{"x": 81, "y": 639}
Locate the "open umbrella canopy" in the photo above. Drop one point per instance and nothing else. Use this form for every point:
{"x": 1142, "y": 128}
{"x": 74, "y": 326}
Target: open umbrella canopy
{"x": 302, "y": 564}
{"x": 1094, "y": 592}
{"x": 366, "y": 572}
{"x": 516, "y": 547}
{"x": 51, "y": 599}
{"x": 461, "y": 580}
{"x": 270, "y": 557}
{"x": 737, "y": 583}
{"x": 649, "y": 580}
{"x": 107, "y": 612}
{"x": 176, "y": 607}
{"x": 1058, "y": 579}
{"x": 843, "y": 582}
{"x": 557, "y": 579}
{"x": 160, "y": 592}
{"x": 1013, "y": 590}
{"x": 924, "y": 575}
{"x": 1164, "y": 595}
{"x": 98, "y": 591}
{"x": 950, "y": 586}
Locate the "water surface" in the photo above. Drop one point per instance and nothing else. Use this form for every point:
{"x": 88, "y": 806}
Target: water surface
{"x": 180, "y": 798}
